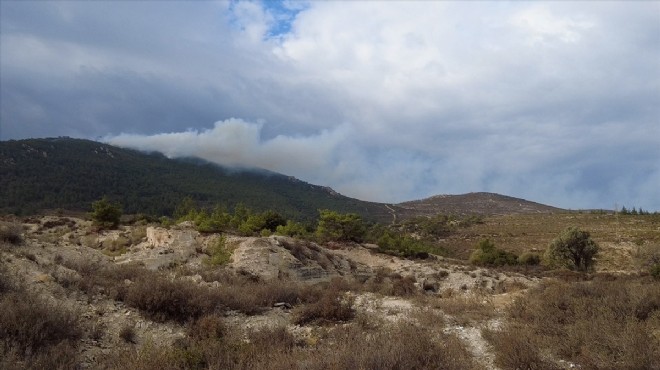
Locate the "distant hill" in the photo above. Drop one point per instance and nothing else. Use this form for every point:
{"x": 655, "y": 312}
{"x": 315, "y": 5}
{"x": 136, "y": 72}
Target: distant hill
{"x": 65, "y": 173}
{"x": 38, "y": 174}
{"x": 473, "y": 203}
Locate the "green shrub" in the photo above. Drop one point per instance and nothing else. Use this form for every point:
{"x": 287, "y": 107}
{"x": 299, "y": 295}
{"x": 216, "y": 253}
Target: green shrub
{"x": 655, "y": 271}
{"x": 293, "y": 229}
{"x": 573, "y": 249}
{"x": 394, "y": 243}
{"x": 340, "y": 227}
{"x": 106, "y": 214}
{"x": 218, "y": 253}
{"x": 529, "y": 259}
{"x": 486, "y": 254}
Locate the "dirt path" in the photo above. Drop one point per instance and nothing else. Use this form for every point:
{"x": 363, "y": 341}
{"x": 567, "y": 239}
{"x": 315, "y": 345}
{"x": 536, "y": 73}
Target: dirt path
{"x": 393, "y": 212}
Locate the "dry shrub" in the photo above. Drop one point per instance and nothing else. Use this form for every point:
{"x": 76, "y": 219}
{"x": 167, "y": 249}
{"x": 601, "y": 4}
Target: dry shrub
{"x": 61, "y": 356}
{"x": 597, "y": 324}
{"x": 6, "y": 282}
{"x": 11, "y": 233}
{"x": 127, "y": 333}
{"x": 208, "y": 327}
{"x": 37, "y": 331}
{"x": 109, "y": 280}
{"x": 332, "y": 306}
{"x": 517, "y": 347}
{"x": 404, "y": 286}
{"x": 163, "y": 299}
{"x": 387, "y": 282}
{"x": 399, "y": 346}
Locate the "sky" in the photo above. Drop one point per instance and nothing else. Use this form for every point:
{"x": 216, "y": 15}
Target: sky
{"x": 556, "y": 102}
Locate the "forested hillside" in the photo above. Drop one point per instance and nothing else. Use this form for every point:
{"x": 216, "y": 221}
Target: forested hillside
{"x": 38, "y": 174}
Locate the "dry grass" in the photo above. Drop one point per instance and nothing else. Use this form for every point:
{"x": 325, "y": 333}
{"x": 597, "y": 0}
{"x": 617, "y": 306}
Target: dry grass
{"x": 464, "y": 308}
{"x": 603, "y": 323}
{"x": 533, "y": 233}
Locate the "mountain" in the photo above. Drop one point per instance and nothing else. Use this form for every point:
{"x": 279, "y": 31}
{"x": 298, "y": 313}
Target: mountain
{"x": 65, "y": 173}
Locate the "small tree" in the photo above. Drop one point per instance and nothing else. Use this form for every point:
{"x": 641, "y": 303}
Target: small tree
{"x": 106, "y": 214}
{"x": 574, "y": 249}
{"x": 340, "y": 227}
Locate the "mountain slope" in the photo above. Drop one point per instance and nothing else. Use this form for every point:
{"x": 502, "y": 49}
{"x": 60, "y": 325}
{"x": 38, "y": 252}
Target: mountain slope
{"x": 69, "y": 173}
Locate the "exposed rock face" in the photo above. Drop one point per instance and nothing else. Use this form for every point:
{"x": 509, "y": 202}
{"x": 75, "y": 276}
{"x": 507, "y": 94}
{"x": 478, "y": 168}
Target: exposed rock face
{"x": 164, "y": 248}
{"x": 285, "y": 258}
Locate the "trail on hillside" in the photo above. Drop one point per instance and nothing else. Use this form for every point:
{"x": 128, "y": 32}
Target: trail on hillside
{"x": 393, "y": 212}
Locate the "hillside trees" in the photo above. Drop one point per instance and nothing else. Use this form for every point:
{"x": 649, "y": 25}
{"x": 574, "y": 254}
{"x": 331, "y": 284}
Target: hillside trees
{"x": 243, "y": 220}
{"x": 574, "y": 249}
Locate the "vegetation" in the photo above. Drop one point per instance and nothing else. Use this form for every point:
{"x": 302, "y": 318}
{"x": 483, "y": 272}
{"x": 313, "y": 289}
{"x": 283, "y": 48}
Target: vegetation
{"x": 486, "y": 254}
{"x": 39, "y": 174}
{"x": 529, "y": 259}
{"x": 399, "y": 244}
{"x": 34, "y": 331}
{"x": 574, "y": 249}
{"x": 597, "y": 324}
{"x": 106, "y": 214}
{"x": 340, "y": 227}
{"x": 332, "y": 306}
{"x": 11, "y": 233}
{"x": 218, "y": 252}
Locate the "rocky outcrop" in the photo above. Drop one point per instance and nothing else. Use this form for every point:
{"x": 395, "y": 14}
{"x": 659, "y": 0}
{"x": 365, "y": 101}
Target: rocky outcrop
{"x": 280, "y": 257}
{"x": 164, "y": 248}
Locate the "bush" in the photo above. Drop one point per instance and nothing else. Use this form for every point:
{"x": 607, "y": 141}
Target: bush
{"x": 332, "y": 306}
{"x": 403, "y": 246}
{"x": 106, "y": 214}
{"x": 164, "y": 300}
{"x": 340, "y": 227}
{"x": 517, "y": 348}
{"x": 11, "y": 233}
{"x": 31, "y": 325}
{"x": 127, "y": 333}
{"x": 486, "y": 254}
{"x": 529, "y": 259}
{"x": 655, "y": 271}
{"x": 573, "y": 249}
{"x": 218, "y": 253}
{"x": 208, "y": 327}
{"x": 293, "y": 229}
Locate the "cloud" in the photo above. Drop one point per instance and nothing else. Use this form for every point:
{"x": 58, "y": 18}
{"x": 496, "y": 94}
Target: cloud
{"x": 388, "y": 101}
